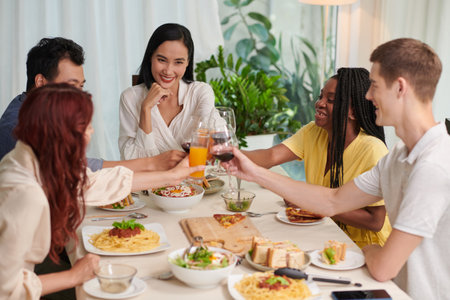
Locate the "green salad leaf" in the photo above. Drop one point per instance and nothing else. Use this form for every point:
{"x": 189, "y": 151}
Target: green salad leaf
{"x": 329, "y": 252}
{"x": 128, "y": 224}
{"x": 274, "y": 279}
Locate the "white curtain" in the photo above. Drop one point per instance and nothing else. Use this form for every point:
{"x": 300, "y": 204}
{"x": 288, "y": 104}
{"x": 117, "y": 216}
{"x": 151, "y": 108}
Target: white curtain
{"x": 368, "y": 23}
{"x": 114, "y": 35}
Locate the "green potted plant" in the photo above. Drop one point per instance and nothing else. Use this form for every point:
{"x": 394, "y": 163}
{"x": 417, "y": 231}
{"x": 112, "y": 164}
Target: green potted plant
{"x": 256, "y": 97}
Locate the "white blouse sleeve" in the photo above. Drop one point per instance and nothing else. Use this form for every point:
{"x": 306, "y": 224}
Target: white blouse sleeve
{"x": 108, "y": 185}
{"x": 133, "y": 141}
{"x": 24, "y": 239}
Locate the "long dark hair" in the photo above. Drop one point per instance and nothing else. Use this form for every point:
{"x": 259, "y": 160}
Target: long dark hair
{"x": 52, "y": 121}
{"x": 166, "y": 32}
{"x": 351, "y": 89}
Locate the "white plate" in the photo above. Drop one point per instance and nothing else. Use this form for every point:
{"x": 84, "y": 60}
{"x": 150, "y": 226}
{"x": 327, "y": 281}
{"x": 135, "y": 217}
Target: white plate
{"x": 233, "y": 279}
{"x": 92, "y": 287}
{"x": 283, "y": 218}
{"x": 138, "y": 204}
{"x": 353, "y": 260}
{"x": 266, "y": 268}
{"x": 87, "y": 231}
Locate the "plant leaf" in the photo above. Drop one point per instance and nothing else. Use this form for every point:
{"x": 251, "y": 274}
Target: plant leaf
{"x": 244, "y": 47}
{"x": 261, "y": 18}
{"x": 227, "y": 19}
{"x": 260, "y": 31}
{"x": 229, "y": 31}
{"x": 231, "y": 3}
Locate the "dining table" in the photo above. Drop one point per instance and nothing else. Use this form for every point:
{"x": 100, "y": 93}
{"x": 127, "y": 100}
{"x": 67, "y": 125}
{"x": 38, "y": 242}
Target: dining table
{"x": 307, "y": 238}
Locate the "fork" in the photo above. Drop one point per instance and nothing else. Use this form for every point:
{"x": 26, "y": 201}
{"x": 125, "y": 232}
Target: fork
{"x": 256, "y": 215}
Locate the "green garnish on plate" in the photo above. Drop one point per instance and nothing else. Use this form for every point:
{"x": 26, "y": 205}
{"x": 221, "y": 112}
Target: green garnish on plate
{"x": 130, "y": 224}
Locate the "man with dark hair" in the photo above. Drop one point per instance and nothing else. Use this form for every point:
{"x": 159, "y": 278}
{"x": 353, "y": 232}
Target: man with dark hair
{"x": 55, "y": 60}
{"x": 413, "y": 178}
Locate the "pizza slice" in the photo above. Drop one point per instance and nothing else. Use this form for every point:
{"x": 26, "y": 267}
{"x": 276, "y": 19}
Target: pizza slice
{"x": 227, "y": 220}
{"x": 298, "y": 215}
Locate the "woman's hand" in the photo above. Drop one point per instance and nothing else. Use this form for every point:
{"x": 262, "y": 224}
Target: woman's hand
{"x": 241, "y": 166}
{"x": 83, "y": 269}
{"x": 155, "y": 95}
{"x": 182, "y": 170}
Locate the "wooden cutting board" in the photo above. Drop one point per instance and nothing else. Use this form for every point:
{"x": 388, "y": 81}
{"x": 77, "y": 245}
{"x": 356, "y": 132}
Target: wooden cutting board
{"x": 237, "y": 238}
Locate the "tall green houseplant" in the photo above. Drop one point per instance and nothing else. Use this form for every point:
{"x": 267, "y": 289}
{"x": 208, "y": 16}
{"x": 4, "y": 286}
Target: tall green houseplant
{"x": 260, "y": 50}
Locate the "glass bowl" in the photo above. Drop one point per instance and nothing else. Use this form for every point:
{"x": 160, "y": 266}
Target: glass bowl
{"x": 115, "y": 278}
{"x": 239, "y": 200}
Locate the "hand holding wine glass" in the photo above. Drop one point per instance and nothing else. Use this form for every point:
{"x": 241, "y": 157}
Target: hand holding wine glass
{"x": 223, "y": 141}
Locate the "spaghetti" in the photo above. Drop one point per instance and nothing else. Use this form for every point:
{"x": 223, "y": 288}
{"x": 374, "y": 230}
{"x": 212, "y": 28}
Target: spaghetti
{"x": 144, "y": 241}
{"x": 250, "y": 288}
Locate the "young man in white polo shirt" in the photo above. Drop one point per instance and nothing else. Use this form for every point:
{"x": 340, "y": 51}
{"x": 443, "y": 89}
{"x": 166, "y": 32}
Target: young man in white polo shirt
{"x": 413, "y": 179}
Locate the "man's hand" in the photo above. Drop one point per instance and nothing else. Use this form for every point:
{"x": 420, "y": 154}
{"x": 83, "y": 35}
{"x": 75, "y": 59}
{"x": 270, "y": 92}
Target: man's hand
{"x": 165, "y": 161}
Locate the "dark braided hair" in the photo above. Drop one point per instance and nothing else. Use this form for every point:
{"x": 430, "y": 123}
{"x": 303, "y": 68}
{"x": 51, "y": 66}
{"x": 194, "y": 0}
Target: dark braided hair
{"x": 351, "y": 89}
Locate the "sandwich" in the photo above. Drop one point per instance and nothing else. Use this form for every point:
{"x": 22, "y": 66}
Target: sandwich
{"x": 277, "y": 258}
{"x": 121, "y": 204}
{"x": 295, "y": 258}
{"x": 260, "y": 250}
{"x": 333, "y": 252}
{"x": 276, "y": 254}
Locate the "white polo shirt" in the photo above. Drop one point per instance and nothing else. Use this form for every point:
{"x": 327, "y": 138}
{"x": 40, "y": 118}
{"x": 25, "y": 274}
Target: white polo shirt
{"x": 416, "y": 190}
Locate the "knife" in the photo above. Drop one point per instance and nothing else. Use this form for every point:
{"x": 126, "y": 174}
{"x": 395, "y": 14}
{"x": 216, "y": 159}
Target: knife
{"x": 299, "y": 274}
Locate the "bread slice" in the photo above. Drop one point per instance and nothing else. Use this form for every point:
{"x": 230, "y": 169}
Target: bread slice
{"x": 277, "y": 258}
{"x": 260, "y": 253}
{"x": 295, "y": 258}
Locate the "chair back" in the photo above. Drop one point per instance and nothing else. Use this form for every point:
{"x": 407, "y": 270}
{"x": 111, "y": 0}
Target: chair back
{"x": 134, "y": 79}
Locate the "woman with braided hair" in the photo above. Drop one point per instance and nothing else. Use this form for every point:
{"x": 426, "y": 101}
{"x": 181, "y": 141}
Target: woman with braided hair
{"x": 342, "y": 143}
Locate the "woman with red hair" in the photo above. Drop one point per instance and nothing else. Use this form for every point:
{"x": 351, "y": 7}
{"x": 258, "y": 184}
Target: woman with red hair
{"x": 45, "y": 185}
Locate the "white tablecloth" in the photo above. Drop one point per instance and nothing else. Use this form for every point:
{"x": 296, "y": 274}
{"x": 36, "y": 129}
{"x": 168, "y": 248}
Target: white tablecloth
{"x": 306, "y": 237}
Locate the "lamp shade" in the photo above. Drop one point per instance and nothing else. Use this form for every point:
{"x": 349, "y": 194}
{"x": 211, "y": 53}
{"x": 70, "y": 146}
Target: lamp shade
{"x": 327, "y": 2}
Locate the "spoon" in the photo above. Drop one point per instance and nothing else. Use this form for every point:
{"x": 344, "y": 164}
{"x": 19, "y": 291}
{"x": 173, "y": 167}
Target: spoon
{"x": 135, "y": 215}
{"x": 255, "y": 215}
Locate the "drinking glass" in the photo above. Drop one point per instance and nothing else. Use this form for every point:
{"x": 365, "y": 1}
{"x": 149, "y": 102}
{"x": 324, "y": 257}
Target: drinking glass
{"x": 221, "y": 115}
{"x": 195, "y": 124}
{"x": 223, "y": 140}
{"x": 198, "y": 152}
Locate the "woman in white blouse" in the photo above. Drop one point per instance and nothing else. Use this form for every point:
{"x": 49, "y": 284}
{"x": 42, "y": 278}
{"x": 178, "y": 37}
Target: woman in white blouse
{"x": 155, "y": 113}
{"x": 45, "y": 185}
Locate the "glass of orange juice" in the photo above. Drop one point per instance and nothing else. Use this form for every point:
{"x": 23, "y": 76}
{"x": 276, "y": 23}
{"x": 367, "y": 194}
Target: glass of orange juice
{"x": 198, "y": 152}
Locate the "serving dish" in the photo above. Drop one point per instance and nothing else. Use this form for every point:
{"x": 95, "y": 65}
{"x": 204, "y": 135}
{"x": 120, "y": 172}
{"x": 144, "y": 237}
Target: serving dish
{"x": 267, "y": 268}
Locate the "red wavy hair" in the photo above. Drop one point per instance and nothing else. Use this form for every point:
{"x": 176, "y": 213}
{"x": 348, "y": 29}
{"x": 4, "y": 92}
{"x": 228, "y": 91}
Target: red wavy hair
{"x": 52, "y": 121}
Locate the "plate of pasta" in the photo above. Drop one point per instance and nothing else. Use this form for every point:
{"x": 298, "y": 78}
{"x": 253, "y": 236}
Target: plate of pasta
{"x": 110, "y": 240}
{"x": 257, "y": 286}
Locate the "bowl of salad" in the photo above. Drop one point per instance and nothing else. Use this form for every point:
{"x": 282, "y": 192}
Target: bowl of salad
{"x": 202, "y": 267}
{"x": 177, "y": 198}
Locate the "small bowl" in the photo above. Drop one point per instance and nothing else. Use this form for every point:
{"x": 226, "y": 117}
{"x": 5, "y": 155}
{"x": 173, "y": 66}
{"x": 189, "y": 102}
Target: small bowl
{"x": 201, "y": 279}
{"x": 215, "y": 186}
{"x": 115, "y": 278}
{"x": 177, "y": 204}
{"x": 232, "y": 202}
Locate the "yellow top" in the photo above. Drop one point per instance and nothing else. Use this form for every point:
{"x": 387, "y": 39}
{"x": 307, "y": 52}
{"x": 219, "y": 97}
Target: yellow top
{"x": 310, "y": 144}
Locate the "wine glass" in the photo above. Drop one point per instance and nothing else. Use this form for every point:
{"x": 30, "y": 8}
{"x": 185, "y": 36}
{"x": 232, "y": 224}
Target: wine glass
{"x": 221, "y": 115}
{"x": 195, "y": 124}
{"x": 227, "y": 113}
{"x": 223, "y": 140}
